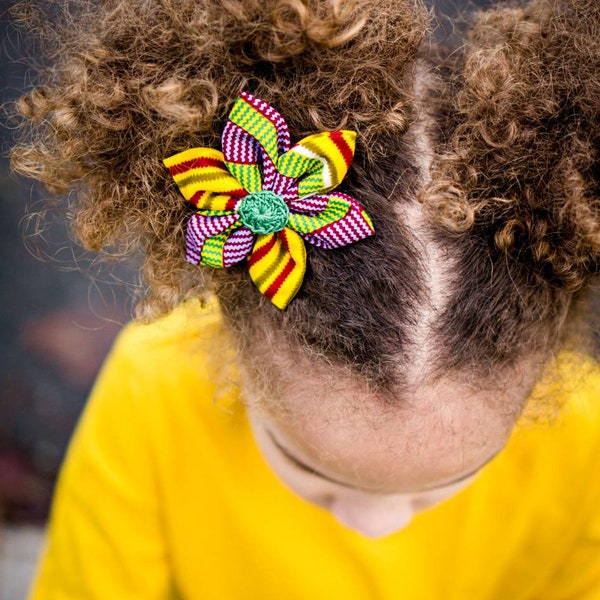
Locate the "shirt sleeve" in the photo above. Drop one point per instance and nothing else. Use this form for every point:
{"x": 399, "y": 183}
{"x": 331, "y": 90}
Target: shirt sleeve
{"x": 105, "y": 538}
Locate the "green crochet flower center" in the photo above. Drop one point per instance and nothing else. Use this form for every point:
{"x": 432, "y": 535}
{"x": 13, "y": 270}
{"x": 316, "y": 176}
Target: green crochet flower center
{"x": 264, "y": 212}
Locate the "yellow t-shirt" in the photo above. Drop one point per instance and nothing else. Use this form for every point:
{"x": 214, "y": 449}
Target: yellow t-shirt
{"x": 164, "y": 494}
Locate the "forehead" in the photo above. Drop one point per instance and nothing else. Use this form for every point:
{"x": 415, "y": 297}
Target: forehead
{"x": 428, "y": 434}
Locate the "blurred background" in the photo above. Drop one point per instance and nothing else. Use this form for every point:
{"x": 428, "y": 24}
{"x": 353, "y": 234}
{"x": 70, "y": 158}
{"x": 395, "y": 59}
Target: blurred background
{"x": 57, "y": 322}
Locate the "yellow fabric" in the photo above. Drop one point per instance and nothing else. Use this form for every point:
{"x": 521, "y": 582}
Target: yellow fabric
{"x": 165, "y": 495}
{"x": 278, "y": 272}
{"x": 213, "y": 180}
{"x": 323, "y": 158}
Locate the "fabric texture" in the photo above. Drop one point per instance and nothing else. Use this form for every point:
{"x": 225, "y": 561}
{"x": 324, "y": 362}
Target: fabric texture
{"x": 260, "y": 198}
{"x": 164, "y": 494}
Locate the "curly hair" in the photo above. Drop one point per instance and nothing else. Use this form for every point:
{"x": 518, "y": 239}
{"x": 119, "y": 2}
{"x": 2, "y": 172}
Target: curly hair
{"x": 498, "y": 141}
{"x": 518, "y": 174}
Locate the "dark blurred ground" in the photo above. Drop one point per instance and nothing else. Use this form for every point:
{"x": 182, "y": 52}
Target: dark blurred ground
{"x": 56, "y": 325}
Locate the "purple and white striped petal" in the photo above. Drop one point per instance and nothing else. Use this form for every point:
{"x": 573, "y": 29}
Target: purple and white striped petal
{"x": 238, "y": 246}
{"x": 200, "y": 227}
{"x": 351, "y": 228}
{"x": 310, "y": 204}
{"x": 269, "y": 173}
{"x": 238, "y": 146}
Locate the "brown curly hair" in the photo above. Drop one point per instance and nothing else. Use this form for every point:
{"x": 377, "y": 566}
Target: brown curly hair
{"x": 498, "y": 141}
{"x": 517, "y": 178}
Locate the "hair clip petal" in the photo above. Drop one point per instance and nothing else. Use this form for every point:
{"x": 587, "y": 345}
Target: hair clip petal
{"x": 260, "y": 199}
{"x": 199, "y": 171}
{"x": 319, "y": 162}
{"x": 338, "y": 230}
{"x": 277, "y": 265}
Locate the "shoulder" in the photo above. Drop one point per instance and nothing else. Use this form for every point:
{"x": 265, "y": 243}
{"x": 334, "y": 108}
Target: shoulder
{"x": 567, "y": 398}
{"x": 190, "y": 343}
{"x": 180, "y": 363}
{"x": 556, "y": 445}
{"x": 190, "y": 327}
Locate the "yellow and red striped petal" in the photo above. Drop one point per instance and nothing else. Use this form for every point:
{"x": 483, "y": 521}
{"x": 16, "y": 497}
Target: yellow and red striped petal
{"x": 277, "y": 265}
{"x": 319, "y": 162}
{"x": 204, "y": 180}
{"x": 217, "y": 203}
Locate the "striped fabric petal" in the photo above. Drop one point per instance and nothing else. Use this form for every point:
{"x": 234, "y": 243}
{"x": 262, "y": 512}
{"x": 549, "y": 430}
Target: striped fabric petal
{"x": 319, "y": 162}
{"x": 203, "y": 178}
{"x": 336, "y": 209}
{"x": 286, "y": 187}
{"x": 238, "y": 246}
{"x": 202, "y": 231}
{"x": 242, "y": 154}
{"x": 310, "y": 204}
{"x": 253, "y": 138}
{"x": 261, "y": 121}
{"x": 277, "y": 265}
{"x": 217, "y": 202}
{"x": 354, "y": 226}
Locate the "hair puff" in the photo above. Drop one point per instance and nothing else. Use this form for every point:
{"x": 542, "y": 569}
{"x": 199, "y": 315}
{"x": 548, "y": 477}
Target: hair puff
{"x": 522, "y": 164}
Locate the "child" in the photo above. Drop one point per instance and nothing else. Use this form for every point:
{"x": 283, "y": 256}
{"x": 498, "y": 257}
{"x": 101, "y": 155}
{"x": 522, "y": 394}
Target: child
{"x": 379, "y": 298}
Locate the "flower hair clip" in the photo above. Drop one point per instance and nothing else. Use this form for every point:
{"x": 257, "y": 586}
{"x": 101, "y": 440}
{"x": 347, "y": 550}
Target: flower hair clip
{"x": 260, "y": 199}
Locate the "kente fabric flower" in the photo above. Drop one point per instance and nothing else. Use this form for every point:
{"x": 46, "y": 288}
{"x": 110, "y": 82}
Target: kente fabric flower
{"x": 260, "y": 199}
